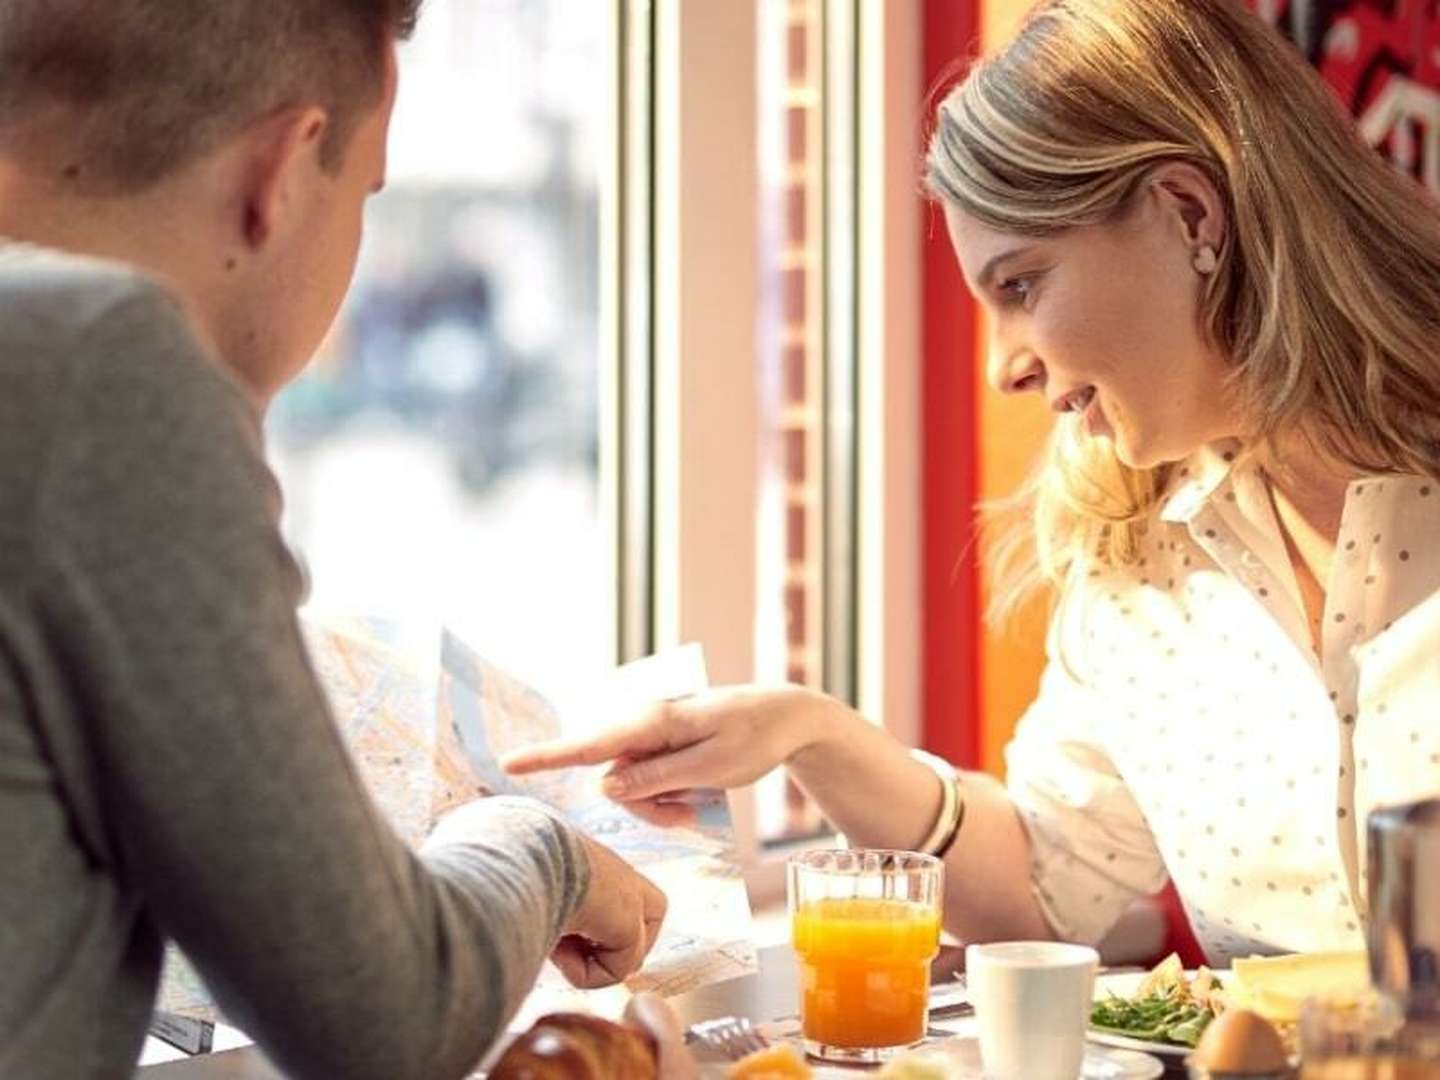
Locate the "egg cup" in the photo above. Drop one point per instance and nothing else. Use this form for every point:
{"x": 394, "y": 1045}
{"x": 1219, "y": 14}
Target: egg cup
{"x": 1200, "y": 1072}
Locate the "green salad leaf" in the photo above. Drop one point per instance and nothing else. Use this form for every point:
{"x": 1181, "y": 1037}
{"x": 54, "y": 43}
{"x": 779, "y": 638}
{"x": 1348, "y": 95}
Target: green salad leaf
{"x": 1166, "y": 1015}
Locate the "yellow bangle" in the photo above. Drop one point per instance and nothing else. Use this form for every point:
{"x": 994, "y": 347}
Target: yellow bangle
{"x": 946, "y": 826}
{"x": 949, "y": 841}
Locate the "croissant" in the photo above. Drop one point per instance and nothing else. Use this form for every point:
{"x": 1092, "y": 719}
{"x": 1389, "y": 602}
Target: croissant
{"x": 574, "y": 1046}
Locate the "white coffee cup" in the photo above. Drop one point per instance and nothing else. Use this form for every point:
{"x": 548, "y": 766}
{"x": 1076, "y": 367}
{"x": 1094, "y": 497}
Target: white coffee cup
{"x": 1032, "y": 1004}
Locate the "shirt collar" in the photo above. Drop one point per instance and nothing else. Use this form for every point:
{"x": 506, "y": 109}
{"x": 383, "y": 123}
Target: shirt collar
{"x": 1196, "y": 479}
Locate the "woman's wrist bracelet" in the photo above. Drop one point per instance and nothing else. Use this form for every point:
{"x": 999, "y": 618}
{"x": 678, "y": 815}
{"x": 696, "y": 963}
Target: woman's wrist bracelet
{"x": 946, "y": 827}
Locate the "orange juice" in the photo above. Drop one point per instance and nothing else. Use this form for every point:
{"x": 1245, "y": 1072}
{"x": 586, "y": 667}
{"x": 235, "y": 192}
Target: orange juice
{"x": 865, "y": 970}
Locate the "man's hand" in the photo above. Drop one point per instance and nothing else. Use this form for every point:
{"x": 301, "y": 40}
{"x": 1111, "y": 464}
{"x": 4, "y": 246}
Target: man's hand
{"x": 615, "y": 925}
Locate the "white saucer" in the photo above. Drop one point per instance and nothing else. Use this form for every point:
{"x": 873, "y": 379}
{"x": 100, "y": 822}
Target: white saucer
{"x": 1101, "y": 1062}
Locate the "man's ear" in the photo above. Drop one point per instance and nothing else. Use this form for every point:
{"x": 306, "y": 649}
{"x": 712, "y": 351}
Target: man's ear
{"x": 1188, "y": 197}
{"x": 282, "y": 159}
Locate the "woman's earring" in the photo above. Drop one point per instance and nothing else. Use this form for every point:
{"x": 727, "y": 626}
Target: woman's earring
{"x": 1206, "y": 260}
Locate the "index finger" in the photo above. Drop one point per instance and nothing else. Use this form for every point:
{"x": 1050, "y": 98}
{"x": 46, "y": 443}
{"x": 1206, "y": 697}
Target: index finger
{"x": 562, "y": 753}
{"x": 639, "y": 738}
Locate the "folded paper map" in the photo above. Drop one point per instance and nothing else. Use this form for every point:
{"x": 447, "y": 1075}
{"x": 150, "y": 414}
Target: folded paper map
{"x": 427, "y": 719}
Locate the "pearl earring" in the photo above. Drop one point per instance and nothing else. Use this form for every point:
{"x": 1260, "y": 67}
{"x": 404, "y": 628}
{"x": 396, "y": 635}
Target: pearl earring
{"x": 1206, "y": 260}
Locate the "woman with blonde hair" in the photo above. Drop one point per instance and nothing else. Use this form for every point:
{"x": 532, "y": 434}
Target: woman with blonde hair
{"x": 1233, "y": 306}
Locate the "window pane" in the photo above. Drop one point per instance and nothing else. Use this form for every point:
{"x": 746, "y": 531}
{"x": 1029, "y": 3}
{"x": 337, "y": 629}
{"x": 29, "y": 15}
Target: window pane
{"x": 792, "y": 624}
{"x": 440, "y": 459}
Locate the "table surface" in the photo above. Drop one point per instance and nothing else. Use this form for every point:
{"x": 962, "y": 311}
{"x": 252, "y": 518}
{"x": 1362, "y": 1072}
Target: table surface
{"x": 770, "y": 994}
{"x": 767, "y": 995}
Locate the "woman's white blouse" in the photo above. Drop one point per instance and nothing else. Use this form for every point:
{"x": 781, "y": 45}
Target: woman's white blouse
{"x": 1185, "y": 725}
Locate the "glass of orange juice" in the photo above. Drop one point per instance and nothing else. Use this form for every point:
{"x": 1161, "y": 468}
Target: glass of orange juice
{"x": 865, "y": 925}
{"x": 1366, "y": 1037}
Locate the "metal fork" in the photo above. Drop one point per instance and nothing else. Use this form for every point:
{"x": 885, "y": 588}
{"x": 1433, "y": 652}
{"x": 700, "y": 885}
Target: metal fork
{"x": 731, "y": 1037}
{"x": 942, "y": 1005}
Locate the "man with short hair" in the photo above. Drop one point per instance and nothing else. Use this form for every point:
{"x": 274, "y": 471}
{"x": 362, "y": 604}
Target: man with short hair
{"x": 181, "y": 186}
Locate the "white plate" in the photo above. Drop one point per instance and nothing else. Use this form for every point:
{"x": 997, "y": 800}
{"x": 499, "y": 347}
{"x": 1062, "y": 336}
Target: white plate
{"x": 1125, "y": 985}
{"x": 962, "y": 1061}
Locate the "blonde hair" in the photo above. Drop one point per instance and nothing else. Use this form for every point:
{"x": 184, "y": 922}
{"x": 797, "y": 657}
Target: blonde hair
{"x": 1326, "y": 299}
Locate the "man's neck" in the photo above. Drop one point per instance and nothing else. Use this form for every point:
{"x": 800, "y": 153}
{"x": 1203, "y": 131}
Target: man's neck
{"x": 129, "y": 229}
{"x": 143, "y": 231}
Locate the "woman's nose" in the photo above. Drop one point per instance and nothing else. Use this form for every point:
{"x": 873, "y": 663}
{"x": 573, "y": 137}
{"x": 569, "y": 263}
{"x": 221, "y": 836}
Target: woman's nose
{"x": 1016, "y": 373}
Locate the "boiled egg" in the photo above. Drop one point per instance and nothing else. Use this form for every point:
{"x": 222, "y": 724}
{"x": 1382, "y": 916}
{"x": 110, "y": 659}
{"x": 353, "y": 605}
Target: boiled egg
{"x": 1239, "y": 1042}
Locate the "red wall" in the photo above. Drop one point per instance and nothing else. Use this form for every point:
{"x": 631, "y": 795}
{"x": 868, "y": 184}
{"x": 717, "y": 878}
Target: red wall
{"x": 951, "y": 675}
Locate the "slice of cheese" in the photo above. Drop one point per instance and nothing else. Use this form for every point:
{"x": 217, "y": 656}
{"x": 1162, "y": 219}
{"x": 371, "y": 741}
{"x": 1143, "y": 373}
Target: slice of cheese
{"x": 1275, "y": 986}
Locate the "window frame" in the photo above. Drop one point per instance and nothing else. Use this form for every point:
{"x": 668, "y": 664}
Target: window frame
{"x": 683, "y": 225}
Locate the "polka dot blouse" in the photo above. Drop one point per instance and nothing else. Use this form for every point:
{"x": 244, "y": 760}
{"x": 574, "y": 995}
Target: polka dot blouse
{"x": 1186, "y": 726}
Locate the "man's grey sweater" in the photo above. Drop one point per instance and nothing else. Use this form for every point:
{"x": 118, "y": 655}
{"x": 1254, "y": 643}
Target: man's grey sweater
{"x": 168, "y": 766}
